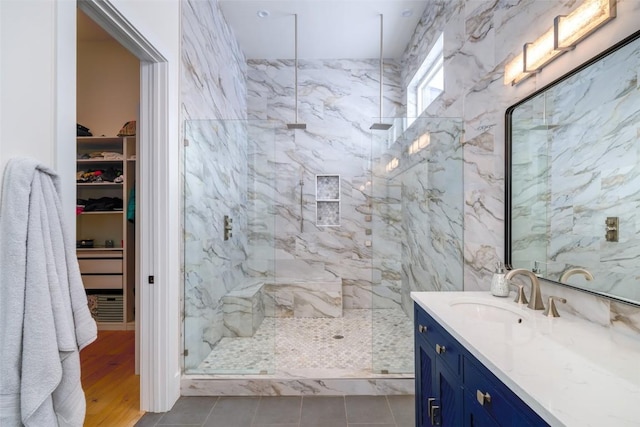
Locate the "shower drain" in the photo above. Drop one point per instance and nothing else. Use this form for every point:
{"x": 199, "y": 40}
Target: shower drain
{"x": 338, "y": 337}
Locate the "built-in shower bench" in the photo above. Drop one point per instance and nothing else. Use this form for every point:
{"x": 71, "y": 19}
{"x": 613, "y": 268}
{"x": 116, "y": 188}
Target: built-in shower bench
{"x": 245, "y": 307}
{"x": 320, "y": 297}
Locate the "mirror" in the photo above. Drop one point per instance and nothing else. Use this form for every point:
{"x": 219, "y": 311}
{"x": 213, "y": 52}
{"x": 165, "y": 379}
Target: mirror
{"x": 573, "y": 177}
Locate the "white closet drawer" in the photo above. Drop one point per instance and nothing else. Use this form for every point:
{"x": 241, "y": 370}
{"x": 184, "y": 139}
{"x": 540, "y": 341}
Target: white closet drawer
{"x": 99, "y": 266}
{"x": 102, "y": 281}
{"x": 99, "y": 253}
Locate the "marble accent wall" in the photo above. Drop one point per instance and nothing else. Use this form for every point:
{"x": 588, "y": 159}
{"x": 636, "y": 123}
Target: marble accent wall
{"x": 338, "y": 101}
{"x": 420, "y": 205}
{"x": 480, "y": 37}
{"x": 213, "y": 76}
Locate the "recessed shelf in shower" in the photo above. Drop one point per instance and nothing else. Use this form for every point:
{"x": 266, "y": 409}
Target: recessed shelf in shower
{"x": 327, "y": 200}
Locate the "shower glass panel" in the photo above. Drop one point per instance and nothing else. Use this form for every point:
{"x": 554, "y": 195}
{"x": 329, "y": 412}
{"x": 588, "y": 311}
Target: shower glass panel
{"x": 228, "y": 247}
{"x": 270, "y": 290}
{"x": 417, "y": 229}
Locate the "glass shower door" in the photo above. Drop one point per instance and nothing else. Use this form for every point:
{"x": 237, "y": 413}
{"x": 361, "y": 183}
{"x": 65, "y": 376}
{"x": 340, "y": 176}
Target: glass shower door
{"x": 417, "y": 196}
{"x": 226, "y": 257}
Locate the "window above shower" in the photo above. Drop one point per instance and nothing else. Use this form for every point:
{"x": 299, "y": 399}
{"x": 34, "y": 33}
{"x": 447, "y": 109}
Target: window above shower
{"x": 328, "y": 200}
{"x": 428, "y": 82}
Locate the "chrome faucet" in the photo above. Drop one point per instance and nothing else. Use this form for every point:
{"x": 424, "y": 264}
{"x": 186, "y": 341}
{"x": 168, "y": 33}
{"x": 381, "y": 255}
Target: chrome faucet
{"x": 535, "y": 300}
{"x": 578, "y": 270}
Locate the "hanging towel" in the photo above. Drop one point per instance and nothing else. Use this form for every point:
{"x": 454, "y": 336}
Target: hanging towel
{"x": 44, "y": 317}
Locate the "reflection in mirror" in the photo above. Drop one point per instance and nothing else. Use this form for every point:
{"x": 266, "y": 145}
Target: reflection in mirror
{"x": 573, "y": 177}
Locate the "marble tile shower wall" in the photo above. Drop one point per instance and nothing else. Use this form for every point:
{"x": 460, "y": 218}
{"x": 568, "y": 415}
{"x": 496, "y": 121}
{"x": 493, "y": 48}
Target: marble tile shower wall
{"x": 418, "y": 211}
{"x": 432, "y": 214}
{"x": 213, "y": 73}
{"x": 338, "y": 102}
{"x": 479, "y": 38}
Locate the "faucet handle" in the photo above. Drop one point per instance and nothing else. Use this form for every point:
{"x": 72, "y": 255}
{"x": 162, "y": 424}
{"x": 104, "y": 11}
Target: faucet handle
{"x": 520, "y": 297}
{"x": 551, "y": 311}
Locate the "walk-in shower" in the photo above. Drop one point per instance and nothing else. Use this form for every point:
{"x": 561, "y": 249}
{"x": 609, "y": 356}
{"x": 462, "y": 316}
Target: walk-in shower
{"x": 291, "y": 296}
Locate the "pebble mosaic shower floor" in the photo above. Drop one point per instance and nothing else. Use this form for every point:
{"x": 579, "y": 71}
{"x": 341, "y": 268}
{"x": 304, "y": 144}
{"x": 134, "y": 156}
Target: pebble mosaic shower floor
{"x": 341, "y": 347}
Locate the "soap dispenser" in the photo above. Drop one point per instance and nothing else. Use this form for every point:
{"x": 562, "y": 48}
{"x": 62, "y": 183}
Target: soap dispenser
{"x": 499, "y": 286}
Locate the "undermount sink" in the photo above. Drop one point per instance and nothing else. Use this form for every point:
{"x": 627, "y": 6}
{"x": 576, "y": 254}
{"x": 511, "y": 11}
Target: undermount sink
{"x": 489, "y": 311}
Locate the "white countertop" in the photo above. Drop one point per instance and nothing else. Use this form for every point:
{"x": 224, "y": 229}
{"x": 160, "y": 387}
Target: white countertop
{"x": 570, "y": 371}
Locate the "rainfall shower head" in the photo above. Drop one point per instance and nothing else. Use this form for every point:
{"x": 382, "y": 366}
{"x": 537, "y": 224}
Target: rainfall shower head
{"x": 296, "y": 125}
{"x": 544, "y": 127}
{"x": 381, "y": 126}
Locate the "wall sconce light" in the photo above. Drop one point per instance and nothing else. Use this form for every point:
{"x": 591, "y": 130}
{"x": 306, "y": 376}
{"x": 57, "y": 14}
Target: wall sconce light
{"x": 420, "y": 143}
{"x": 540, "y": 52}
{"x": 393, "y": 164}
{"x": 577, "y": 25}
{"x": 514, "y": 71}
{"x": 567, "y": 31}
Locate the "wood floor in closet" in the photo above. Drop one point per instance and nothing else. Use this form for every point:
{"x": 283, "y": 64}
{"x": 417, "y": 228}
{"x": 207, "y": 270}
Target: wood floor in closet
{"x": 111, "y": 387}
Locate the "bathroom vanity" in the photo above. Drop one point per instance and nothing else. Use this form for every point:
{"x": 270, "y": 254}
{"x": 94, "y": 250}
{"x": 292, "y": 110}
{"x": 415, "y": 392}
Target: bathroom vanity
{"x": 487, "y": 361}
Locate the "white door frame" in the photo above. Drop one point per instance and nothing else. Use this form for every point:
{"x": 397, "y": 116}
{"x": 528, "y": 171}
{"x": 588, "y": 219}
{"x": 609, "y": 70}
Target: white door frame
{"x": 157, "y": 310}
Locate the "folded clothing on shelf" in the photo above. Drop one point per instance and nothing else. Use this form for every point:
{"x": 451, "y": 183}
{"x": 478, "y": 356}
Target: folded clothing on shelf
{"x": 101, "y": 204}
{"x": 99, "y": 175}
{"x": 82, "y": 130}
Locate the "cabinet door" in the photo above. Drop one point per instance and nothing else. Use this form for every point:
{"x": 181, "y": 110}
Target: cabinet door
{"x": 450, "y": 397}
{"x": 425, "y": 372}
{"x": 504, "y": 406}
{"x": 438, "y": 390}
{"x": 475, "y": 415}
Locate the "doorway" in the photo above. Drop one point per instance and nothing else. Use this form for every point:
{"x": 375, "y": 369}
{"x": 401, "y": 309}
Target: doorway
{"x": 154, "y": 298}
{"x": 107, "y": 102}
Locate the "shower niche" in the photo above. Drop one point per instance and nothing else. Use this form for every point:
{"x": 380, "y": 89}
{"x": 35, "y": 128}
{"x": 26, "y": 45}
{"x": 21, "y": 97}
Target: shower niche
{"x": 328, "y": 200}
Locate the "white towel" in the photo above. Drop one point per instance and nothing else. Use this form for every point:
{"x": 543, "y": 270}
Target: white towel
{"x": 44, "y": 318}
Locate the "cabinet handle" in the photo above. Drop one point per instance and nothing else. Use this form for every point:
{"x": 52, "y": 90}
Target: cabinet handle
{"x": 434, "y": 411}
{"x": 440, "y": 349}
{"x": 483, "y": 398}
{"x": 422, "y": 329}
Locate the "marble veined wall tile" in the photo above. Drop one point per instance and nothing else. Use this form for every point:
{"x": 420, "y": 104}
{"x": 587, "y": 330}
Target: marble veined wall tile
{"x": 215, "y": 171}
{"x": 480, "y": 37}
{"x": 213, "y": 66}
{"x": 213, "y": 266}
{"x": 338, "y": 102}
{"x": 418, "y": 205}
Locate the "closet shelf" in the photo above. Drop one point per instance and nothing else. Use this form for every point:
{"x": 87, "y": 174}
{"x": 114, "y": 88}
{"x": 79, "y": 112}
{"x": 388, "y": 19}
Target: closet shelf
{"x": 108, "y": 273}
{"x": 99, "y": 184}
{"x": 100, "y": 161}
{"x": 99, "y": 248}
{"x": 101, "y": 212}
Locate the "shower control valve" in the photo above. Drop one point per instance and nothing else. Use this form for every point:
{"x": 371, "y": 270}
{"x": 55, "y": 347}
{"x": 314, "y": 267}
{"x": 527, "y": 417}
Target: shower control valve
{"x": 228, "y": 226}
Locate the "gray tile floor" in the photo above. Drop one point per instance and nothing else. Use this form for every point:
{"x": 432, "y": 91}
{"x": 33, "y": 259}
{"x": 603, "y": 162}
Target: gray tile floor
{"x": 287, "y": 411}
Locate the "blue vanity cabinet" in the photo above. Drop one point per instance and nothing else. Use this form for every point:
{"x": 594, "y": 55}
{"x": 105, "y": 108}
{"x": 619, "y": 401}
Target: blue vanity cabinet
{"x": 475, "y": 415}
{"x": 453, "y": 388}
{"x": 439, "y": 391}
{"x": 486, "y": 395}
